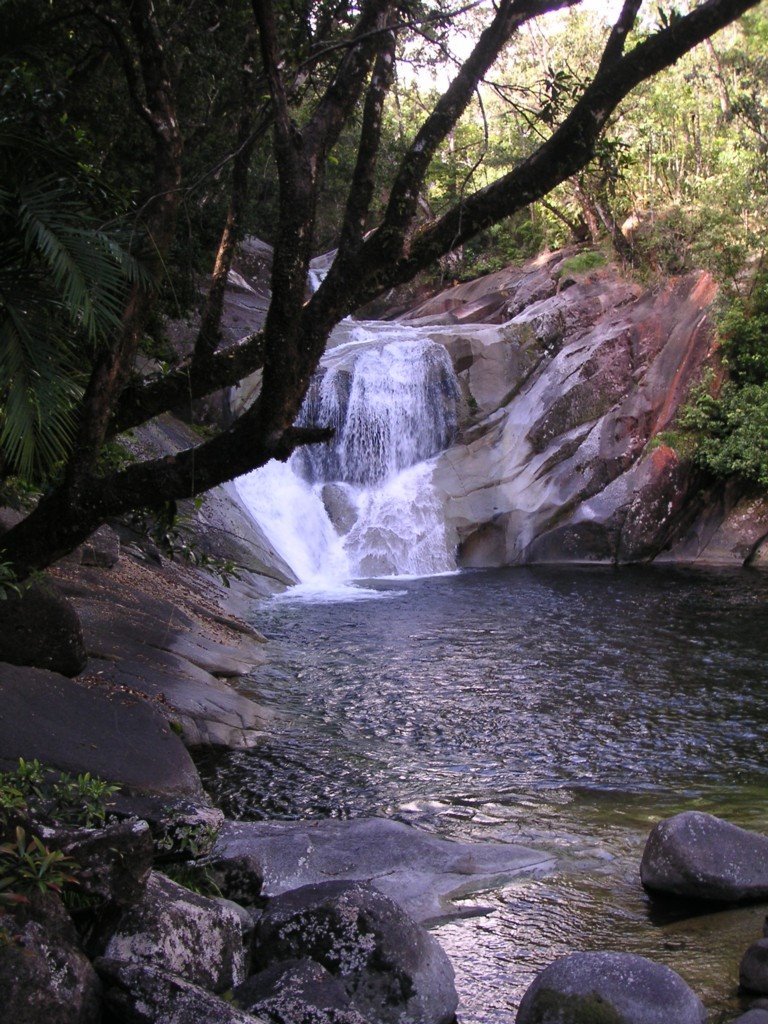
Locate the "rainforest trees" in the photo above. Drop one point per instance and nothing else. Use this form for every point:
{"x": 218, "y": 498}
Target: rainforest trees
{"x": 307, "y": 74}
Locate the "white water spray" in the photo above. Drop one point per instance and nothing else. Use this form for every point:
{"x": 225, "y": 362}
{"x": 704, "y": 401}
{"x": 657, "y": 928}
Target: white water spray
{"x": 363, "y": 505}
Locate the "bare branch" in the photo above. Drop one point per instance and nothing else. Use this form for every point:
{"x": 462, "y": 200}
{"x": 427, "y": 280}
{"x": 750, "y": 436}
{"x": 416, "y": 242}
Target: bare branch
{"x": 617, "y": 40}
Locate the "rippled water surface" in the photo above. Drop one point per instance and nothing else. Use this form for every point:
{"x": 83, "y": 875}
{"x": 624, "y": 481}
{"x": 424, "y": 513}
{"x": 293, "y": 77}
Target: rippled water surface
{"x": 566, "y": 709}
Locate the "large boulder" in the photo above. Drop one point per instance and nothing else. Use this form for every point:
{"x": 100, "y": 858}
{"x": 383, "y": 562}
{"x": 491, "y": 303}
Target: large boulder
{"x": 297, "y": 992}
{"x": 179, "y": 931}
{"x": 699, "y": 856}
{"x": 139, "y": 994}
{"x": 40, "y": 628}
{"x": 753, "y": 1016}
{"x": 609, "y": 988}
{"x": 44, "y": 977}
{"x": 391, "y": 968}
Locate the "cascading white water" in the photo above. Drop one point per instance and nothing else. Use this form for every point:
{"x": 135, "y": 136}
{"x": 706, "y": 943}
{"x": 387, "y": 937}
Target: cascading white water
{"x": 363, "y": 505}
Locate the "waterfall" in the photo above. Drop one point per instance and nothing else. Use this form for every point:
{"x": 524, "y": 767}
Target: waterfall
{"x": 363, "y": 504}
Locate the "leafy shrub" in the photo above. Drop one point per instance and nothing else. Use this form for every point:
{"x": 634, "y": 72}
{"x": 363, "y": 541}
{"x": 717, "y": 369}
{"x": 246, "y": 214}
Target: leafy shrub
{"x": 35, "y": 793}
{"x": 582, "y": 263}
{"x": 27, "y": 867}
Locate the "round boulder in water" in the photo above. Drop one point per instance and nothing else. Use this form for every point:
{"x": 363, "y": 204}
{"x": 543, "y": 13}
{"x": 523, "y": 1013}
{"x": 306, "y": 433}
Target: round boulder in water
{"x": 699, "y": 856}
{"x": 609, "y": 988}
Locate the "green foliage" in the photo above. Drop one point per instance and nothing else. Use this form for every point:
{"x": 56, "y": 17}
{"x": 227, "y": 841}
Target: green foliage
{"x": 8, "y": 581}
{"x": 727, "y": 434}
{"x": 582, "y": 263}
{"x": 27, "y": 867}
{"x": 35, "y": 793}
{"x": 184, "y": 841}
{"x": 166, "y": 528}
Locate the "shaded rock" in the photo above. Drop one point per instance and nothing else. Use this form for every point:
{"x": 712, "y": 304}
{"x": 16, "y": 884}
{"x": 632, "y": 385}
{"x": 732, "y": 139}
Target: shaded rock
{"x": 78, "y": 728}
{"x": 39, "y": 628}
{"x": 114, "y": 862}
{"x": 419, "y": 871}
{"x": 753, "y": 1016}
{"x": 102, "y": 548}
{"x": 140, "y": 994}
{"x": 297, "y": 992}
{"x": 391, "y": 968}
{"x": 43, "y": 978}
{"x": 753, "y": 969}
{"x": 340, "y": 506}
{"x": 700, "y": 856}
{"x": 609, "y": 988}
{"x": 179, "y": 931}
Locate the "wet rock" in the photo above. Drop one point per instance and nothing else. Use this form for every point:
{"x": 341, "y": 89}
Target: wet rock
{"x": 114, "y": 862}
{"x": 39, "y": 628}
{"x": 297, "y": 992}
{"x": 699, "y": 856}
{"x": 176, "y": 930}
{"x": 44, "y": 978}
{"x": 753, "y": 969}
{"x": 391, "y": 968}
{"x": 340, "y": 506}
{"x": 419, "y": 871}
{"x": 609, "y": 988}
{"x": 140, "y": 994}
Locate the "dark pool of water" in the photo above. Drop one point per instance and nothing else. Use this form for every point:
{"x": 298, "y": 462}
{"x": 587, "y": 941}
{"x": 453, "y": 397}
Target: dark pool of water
{"x": 568, "y": 709}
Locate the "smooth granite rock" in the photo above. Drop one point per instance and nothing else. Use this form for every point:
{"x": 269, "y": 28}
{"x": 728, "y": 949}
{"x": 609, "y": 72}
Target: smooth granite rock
{"x": 391, "y": 968}
{"x": 80, "y": 728}
{"x": 699, "y": 856}
{"x": 173, "y": 929}
{"x": 754, "y": 1016}
{"x": 421, "y": 872}
{"x": 609, "y": 988}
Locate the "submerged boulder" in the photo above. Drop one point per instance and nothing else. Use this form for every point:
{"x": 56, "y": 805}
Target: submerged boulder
{"x": 699, "y": 856}
{"x": 391, "y": 968}
{"x": 609, "y": 988}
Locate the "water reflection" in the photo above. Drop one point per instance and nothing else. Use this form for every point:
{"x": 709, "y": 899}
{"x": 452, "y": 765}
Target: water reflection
{"x": 566, "y": 709}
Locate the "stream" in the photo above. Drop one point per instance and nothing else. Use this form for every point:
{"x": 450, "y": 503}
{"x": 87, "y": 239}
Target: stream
{"x": 563, "y": 708}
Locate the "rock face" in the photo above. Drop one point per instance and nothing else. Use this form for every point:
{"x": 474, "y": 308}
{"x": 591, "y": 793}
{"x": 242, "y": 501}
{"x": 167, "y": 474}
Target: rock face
{"x": 700, "y": 856}
{"x": 419, "y": 871}
{"x": 139, "y": 994}
{"x": 297, "y": 992}
{"x": 40, "y": 628}
{"x": 392, "y": 970}
{"x": 175, "y": 930}
{"x": 609, "y": 988}
{"x": 43, "y": 977}
{"x": 563, "y": 397}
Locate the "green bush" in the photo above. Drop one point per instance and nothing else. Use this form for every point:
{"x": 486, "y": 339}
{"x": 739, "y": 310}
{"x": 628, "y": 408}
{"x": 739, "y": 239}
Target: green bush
{"x": 582, "y": 263}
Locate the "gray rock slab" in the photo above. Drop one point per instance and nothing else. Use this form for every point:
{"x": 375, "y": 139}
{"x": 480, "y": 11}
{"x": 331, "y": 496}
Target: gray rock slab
{"x": 297, "y": 992}
{"x": 138, "y": 634}
{"x": 699, "y": 856}
{"x": 609, "y": 988}
{"x": 754, "y": 1016}
{"x": 78, "y": 728}
{"x": 421, "y": 872}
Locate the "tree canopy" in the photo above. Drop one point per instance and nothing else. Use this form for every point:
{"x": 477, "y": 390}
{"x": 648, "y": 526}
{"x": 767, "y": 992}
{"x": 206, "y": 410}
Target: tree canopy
{"x": 141, "y": 139}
